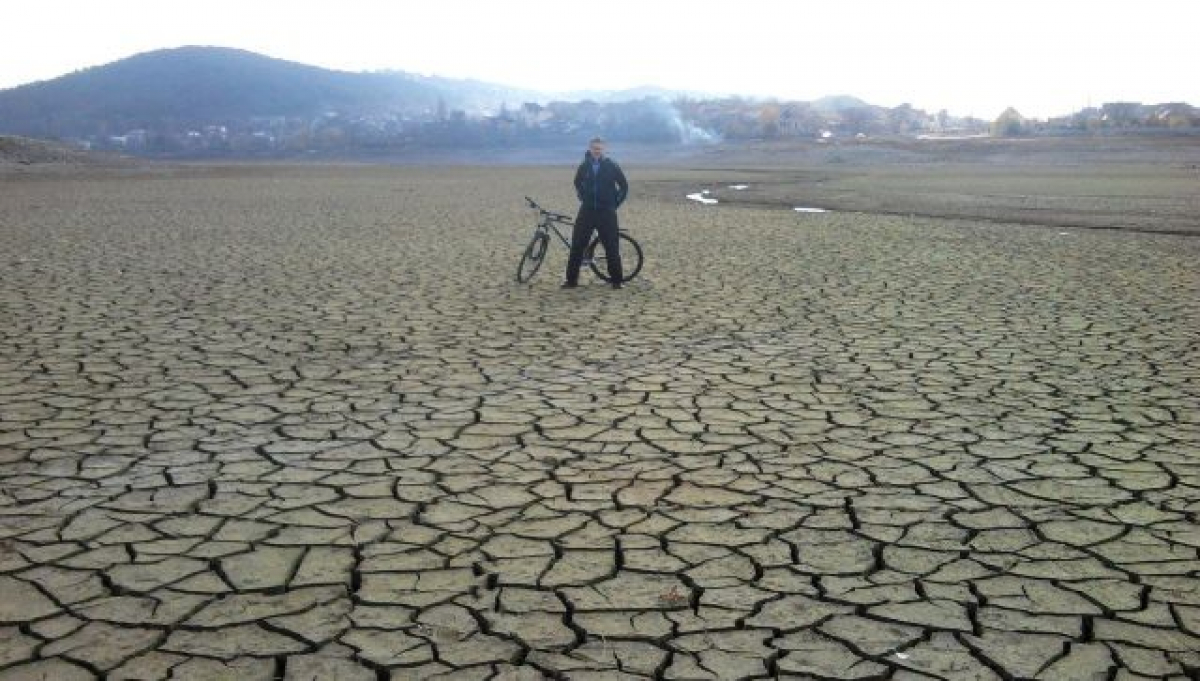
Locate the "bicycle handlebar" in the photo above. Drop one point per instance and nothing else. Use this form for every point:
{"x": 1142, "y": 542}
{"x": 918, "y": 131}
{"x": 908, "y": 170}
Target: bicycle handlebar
{"x": 558, "y": 217}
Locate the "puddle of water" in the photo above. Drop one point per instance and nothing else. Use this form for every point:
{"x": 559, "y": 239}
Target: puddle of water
{"x": 807, "y": 209}
{"x": 702, "y": 197}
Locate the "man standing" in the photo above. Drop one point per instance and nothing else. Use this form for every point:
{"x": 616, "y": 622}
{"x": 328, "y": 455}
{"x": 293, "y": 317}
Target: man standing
{"x": 601, "y": 188}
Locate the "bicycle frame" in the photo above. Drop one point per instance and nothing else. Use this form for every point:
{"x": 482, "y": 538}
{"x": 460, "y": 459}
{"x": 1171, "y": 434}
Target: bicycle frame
{"x": 549, "y": 222}
{"x": 551, "y": 226}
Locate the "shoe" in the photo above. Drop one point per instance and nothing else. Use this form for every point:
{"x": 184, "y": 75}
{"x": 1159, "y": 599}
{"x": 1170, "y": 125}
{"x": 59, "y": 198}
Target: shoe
{"x": 617, "y": 284}
{"x": 569, "y": 284}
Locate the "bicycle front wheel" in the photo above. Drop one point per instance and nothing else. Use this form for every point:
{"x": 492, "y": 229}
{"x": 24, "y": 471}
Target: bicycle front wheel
{"x": 631, "y": 257}
{"x": 532, "y": 258}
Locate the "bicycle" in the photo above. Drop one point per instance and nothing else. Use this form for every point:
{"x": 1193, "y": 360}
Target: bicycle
{"x": 593, "y": 256}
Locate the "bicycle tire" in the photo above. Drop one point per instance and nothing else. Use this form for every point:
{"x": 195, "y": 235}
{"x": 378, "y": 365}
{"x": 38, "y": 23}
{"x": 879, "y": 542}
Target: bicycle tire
{"x": 631, "y": 258}
{"x": 533, "y": 257}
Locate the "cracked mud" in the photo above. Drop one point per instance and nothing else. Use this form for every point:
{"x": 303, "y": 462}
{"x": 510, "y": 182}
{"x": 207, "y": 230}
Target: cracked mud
{"x": 301, "y": 424}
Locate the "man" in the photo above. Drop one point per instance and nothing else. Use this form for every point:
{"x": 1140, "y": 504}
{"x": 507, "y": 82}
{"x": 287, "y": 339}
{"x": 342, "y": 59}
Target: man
{"x": 601, "y": 188}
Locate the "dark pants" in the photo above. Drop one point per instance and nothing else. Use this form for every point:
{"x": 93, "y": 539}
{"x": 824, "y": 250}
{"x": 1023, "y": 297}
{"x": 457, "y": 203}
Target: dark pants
{"x": 605, "y": 222}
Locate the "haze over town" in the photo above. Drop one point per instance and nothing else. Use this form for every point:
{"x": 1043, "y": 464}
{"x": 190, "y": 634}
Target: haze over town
{"x": 1045, "y": 59}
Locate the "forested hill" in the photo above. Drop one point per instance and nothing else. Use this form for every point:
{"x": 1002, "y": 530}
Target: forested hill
{"x": 202, "y": 85}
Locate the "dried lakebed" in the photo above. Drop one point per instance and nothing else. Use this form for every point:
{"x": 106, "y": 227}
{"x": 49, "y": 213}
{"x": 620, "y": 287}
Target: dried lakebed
{"x": 287, "y": 423}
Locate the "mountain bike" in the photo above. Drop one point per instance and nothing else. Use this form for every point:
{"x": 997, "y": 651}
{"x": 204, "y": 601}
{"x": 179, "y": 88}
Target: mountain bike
{"x": 593, "y": 256}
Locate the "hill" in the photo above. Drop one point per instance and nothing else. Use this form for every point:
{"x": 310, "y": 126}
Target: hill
{"x": 197, "y": 85}
{"x": 191, "y": 87}
{"x": 215, "y": 101}
{"x": 836, "y": 103}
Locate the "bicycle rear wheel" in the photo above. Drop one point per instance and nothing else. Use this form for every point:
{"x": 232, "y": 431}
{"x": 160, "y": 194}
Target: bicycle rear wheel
{"x": 631, "y": 257}
{"x": 532, "y": 258}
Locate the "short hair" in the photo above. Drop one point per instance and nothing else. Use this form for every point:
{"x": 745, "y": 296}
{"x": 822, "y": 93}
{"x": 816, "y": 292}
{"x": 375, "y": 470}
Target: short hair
{"x": 597, "y": 140}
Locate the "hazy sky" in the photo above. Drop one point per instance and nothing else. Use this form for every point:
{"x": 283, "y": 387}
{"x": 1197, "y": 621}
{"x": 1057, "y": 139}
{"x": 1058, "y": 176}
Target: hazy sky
{"x": 1045, "y": 57}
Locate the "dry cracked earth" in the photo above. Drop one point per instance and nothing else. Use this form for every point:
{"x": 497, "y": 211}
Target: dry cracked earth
{"x": 268, "y": 423}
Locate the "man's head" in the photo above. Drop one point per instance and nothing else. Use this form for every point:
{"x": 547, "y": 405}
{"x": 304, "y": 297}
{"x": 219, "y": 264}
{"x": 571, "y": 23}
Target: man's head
{"x": 596, "y": 148}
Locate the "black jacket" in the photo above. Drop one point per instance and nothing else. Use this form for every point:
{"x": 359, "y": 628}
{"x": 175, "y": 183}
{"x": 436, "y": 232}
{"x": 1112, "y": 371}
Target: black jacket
{"x": 605, "y": 190}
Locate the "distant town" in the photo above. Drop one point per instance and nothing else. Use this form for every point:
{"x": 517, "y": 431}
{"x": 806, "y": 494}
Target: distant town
{"x": 648, "y": 120}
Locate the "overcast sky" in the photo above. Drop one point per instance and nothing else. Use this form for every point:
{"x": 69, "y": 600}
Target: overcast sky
{"x": 1044, "y": 57}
